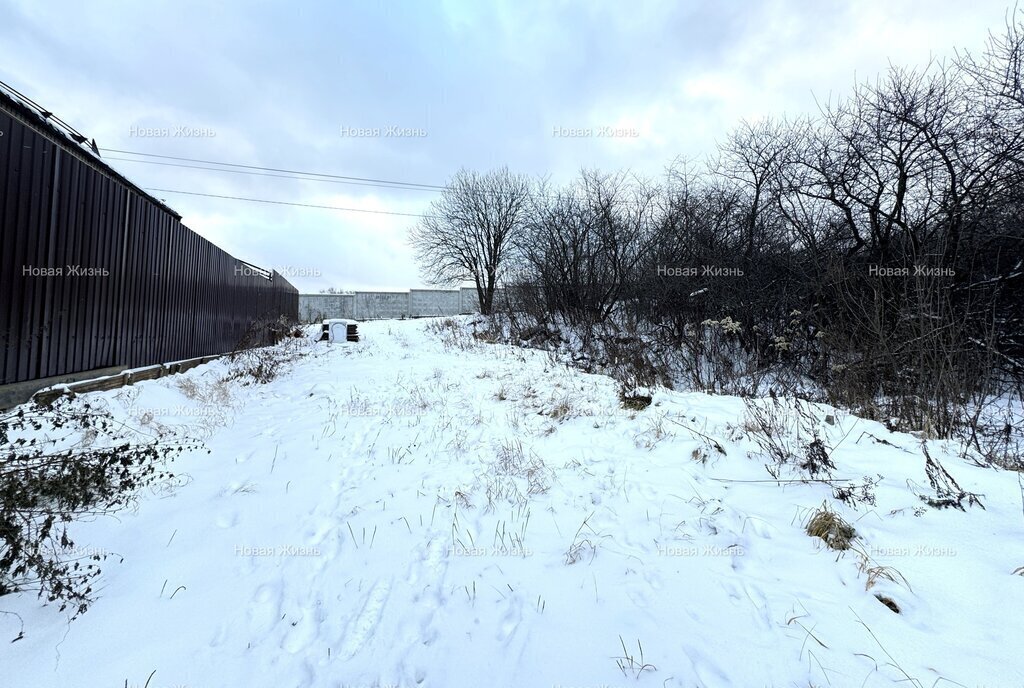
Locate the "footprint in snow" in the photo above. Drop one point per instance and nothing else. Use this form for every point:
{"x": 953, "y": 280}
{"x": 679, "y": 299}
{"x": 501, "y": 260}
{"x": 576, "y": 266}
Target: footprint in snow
{"x": 761, "y": 529}
{"x": 705, "y": 671}
{"x": 220, "y": 635}
{"x": 510, "y": 620}
{"x": 363, "y": 626}
{"x": 265, "y": 608}
{"x": 429, "y": 561}
{"x": 227, "y": 518}
{"x": 301, "y": 633}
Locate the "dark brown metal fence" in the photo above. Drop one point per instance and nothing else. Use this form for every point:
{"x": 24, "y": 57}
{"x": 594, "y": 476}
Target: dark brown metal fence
{"x": 94, "y": 272}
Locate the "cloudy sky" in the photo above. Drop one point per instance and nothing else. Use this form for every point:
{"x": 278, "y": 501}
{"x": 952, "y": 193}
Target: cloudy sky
{"x": 410, "y": 91}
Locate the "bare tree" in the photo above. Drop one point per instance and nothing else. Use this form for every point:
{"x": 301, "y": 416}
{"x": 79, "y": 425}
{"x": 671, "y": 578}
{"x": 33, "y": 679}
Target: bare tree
{"x": 750, "y": 159}
{"x": 999, "y": 71}
{"x": 467, "y": 234}
{"x": 584, "y": 244}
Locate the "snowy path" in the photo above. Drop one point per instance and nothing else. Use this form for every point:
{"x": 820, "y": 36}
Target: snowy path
{"x": 401, "y": 514}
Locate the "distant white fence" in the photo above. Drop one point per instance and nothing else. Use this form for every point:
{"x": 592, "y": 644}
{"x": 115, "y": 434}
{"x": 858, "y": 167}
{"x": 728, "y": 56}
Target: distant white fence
{"x": 375, "y": 305}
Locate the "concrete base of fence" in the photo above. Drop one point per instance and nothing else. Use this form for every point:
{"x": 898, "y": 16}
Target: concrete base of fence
{"x": 19, "y": 392}
{"x": 50, "y": 392}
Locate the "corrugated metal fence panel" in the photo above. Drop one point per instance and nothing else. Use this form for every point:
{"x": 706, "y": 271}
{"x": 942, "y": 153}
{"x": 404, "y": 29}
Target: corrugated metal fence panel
{"x": 96, "y": 273}
{"x": 84, "y": 242}
{"x": 25, "y": 199}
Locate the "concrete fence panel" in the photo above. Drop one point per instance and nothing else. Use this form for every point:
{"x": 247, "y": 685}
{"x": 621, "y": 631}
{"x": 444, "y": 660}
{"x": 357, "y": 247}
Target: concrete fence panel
{"x": 376, "y": 305}
{"x": 432, "y": 302}
{"x": 317, "y": 307}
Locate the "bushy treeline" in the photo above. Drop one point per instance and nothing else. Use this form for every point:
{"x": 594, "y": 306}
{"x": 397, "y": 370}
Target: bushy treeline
{"x": 875, "y": 250}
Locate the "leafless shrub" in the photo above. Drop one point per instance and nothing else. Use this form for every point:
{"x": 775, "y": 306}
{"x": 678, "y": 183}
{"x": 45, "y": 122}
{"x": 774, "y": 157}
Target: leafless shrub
{"x": 789, "y": 432}
{"x": 947, "y": 492}
{"x": 854, "y": 494}
{"x": 261, "y": 365}
{"x": 63, "y": 463}
{"x": 452, "y": 333}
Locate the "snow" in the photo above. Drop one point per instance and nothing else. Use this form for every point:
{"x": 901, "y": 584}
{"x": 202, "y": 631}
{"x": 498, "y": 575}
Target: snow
{"x": 406, "y": 512}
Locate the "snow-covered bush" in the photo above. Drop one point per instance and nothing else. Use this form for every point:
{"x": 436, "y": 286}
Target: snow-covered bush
{"x": 59, "y": 464}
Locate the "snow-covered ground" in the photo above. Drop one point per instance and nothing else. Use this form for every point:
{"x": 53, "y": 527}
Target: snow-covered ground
{"x": 399, "y": 512}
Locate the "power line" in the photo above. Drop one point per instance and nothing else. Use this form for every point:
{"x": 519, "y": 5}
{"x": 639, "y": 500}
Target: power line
{"x": 301, "y": 205}
{"x": 270, "y": 174}
{"x": 432, "y": 187}
{"x": 306, "y": 176}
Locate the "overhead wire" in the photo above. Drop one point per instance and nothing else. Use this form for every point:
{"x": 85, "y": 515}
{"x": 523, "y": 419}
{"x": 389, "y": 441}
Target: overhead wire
{"x": 292, "y": 203}
{"x": 433, "y": 187}
{"x": 298, "y": 175}
{"x": 271, "y": 174}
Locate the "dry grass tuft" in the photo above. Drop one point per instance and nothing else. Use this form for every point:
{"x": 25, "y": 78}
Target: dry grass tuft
{"x": 830, "y": 527}
{"x": 561, "y": 410}
{"x": 654, "y": 433}
{"x": 512, "y": 471}
{"x": 877, "y": 572}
